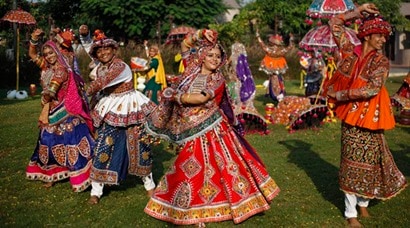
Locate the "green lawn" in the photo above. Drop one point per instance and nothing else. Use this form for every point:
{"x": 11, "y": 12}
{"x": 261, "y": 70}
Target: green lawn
{"x": 304, "y": 164}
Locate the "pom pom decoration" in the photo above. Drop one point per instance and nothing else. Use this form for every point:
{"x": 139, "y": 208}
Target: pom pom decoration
{"x": 11, "y": 94}
{"x": 22, "y": 94}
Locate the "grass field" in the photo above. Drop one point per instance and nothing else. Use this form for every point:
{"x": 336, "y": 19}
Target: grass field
{"x": 304, "y": 164}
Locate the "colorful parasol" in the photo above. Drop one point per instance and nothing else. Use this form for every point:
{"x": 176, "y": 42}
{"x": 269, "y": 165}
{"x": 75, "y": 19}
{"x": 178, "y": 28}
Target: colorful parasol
{"x": 20, "y": 17}
{"x": 311, "y": 117}
{"x": 321, "y": 38}
{"x": 328, "y": 8}
{"x": 177, "y": 34}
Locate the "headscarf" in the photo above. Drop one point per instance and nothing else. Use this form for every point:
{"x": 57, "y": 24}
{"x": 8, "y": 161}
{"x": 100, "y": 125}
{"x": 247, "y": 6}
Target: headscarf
{"x": 204, "y": 46}
{"x": 60, "y": 57}
{"x": 160, "y": 77}
{"x": 244, "y": 74}
{"x": 74, "y": 102}
{"x": 65, "y": 38}
{"x": 181, "y": 67}
{"x": 374, "y": 25}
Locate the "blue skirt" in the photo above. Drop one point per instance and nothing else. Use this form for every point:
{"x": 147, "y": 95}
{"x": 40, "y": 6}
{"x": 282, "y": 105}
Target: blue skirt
{"x": 119, "y": 151}
{"x": 64, "y": 150}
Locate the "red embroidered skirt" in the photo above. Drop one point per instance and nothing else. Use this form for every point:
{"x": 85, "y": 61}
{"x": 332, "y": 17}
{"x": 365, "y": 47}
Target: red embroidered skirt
{"x": 214, "y": 178}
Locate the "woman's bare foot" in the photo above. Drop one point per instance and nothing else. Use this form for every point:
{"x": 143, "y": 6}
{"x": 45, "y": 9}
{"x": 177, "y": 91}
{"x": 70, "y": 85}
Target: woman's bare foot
{"x": 363, "y": 212}
{"x": 150, "y": 192}
{"x": 354, "y": 223}
{"x": 48, "y": 184}
{"x": 93, "y": 200}
{"x": 201, "y": 225}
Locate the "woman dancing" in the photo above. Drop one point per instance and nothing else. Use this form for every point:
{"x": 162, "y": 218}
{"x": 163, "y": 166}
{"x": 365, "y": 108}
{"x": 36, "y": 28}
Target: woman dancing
{"x": 217, "y": 175}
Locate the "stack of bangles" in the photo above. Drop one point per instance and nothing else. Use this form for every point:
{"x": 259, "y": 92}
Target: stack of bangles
{"x": 33, "y": 41}
{"x": 53, "y": 87}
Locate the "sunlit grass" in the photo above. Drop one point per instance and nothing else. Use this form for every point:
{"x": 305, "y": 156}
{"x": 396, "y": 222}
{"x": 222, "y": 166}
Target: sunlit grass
{"x": 304, "y": 164}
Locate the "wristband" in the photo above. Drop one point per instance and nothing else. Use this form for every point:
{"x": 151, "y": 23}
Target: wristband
{"x": 53, "y": 87}
{"x": 187, "y": 44}
{"x": 201, "y": 33}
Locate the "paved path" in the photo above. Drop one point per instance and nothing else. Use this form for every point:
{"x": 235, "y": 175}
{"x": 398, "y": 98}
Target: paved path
{"x": 396, "y": 71}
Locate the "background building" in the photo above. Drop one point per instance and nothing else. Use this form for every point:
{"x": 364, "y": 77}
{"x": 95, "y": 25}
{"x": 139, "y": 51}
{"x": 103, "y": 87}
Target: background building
{"x": 401, "y": 44}
{"x": 232, "y": 9}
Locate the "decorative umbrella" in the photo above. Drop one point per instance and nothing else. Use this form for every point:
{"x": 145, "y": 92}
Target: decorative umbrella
{"x": 312, "y": 117}
{"x": 20, "y": 17}
{"x": 321, "y": 38}
{"x": 177, "y": 34}
{"x": 328, "y": 8}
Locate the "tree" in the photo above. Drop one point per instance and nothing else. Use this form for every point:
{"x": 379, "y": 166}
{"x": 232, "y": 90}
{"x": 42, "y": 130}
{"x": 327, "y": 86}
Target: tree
{"x": 62, "y": 12}
{"x": 273, "y": 16}
{"x": 197, "y": 14}
{"x": 282, "y": 16}
{"x": 238, "y": 29}
{"x": 150, "y": 18}
{"x": 390, "y": 9}
{"x": 292, "y": 13}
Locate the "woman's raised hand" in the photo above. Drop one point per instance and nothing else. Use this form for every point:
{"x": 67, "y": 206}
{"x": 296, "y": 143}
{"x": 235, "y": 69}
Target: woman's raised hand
{"x": 369, "y": 8}
{"x": 36, "y": 34}
{"x": 209, "y": 35}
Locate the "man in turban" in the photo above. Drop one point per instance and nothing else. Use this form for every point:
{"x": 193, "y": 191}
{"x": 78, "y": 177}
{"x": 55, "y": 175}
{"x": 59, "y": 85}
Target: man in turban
{"x": 360, "y": 99}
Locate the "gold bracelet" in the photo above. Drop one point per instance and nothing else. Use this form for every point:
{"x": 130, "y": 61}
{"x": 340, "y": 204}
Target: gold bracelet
{"x": 186, "y": 44}
{"x": 186, "y": 97}
{"x": 197, "y": 35}
{"x": 53, "y": 87}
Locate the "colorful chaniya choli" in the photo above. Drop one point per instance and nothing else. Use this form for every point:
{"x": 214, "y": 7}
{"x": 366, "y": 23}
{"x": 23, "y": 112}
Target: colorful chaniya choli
{"x": 65, "y": 145}
{"x": 217, "y": 175}
{"x": 274, "y": 61}
{"x": 242, "y": 90}
{"x": 275, "y": 66}
{"x": 401, "y": 98}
